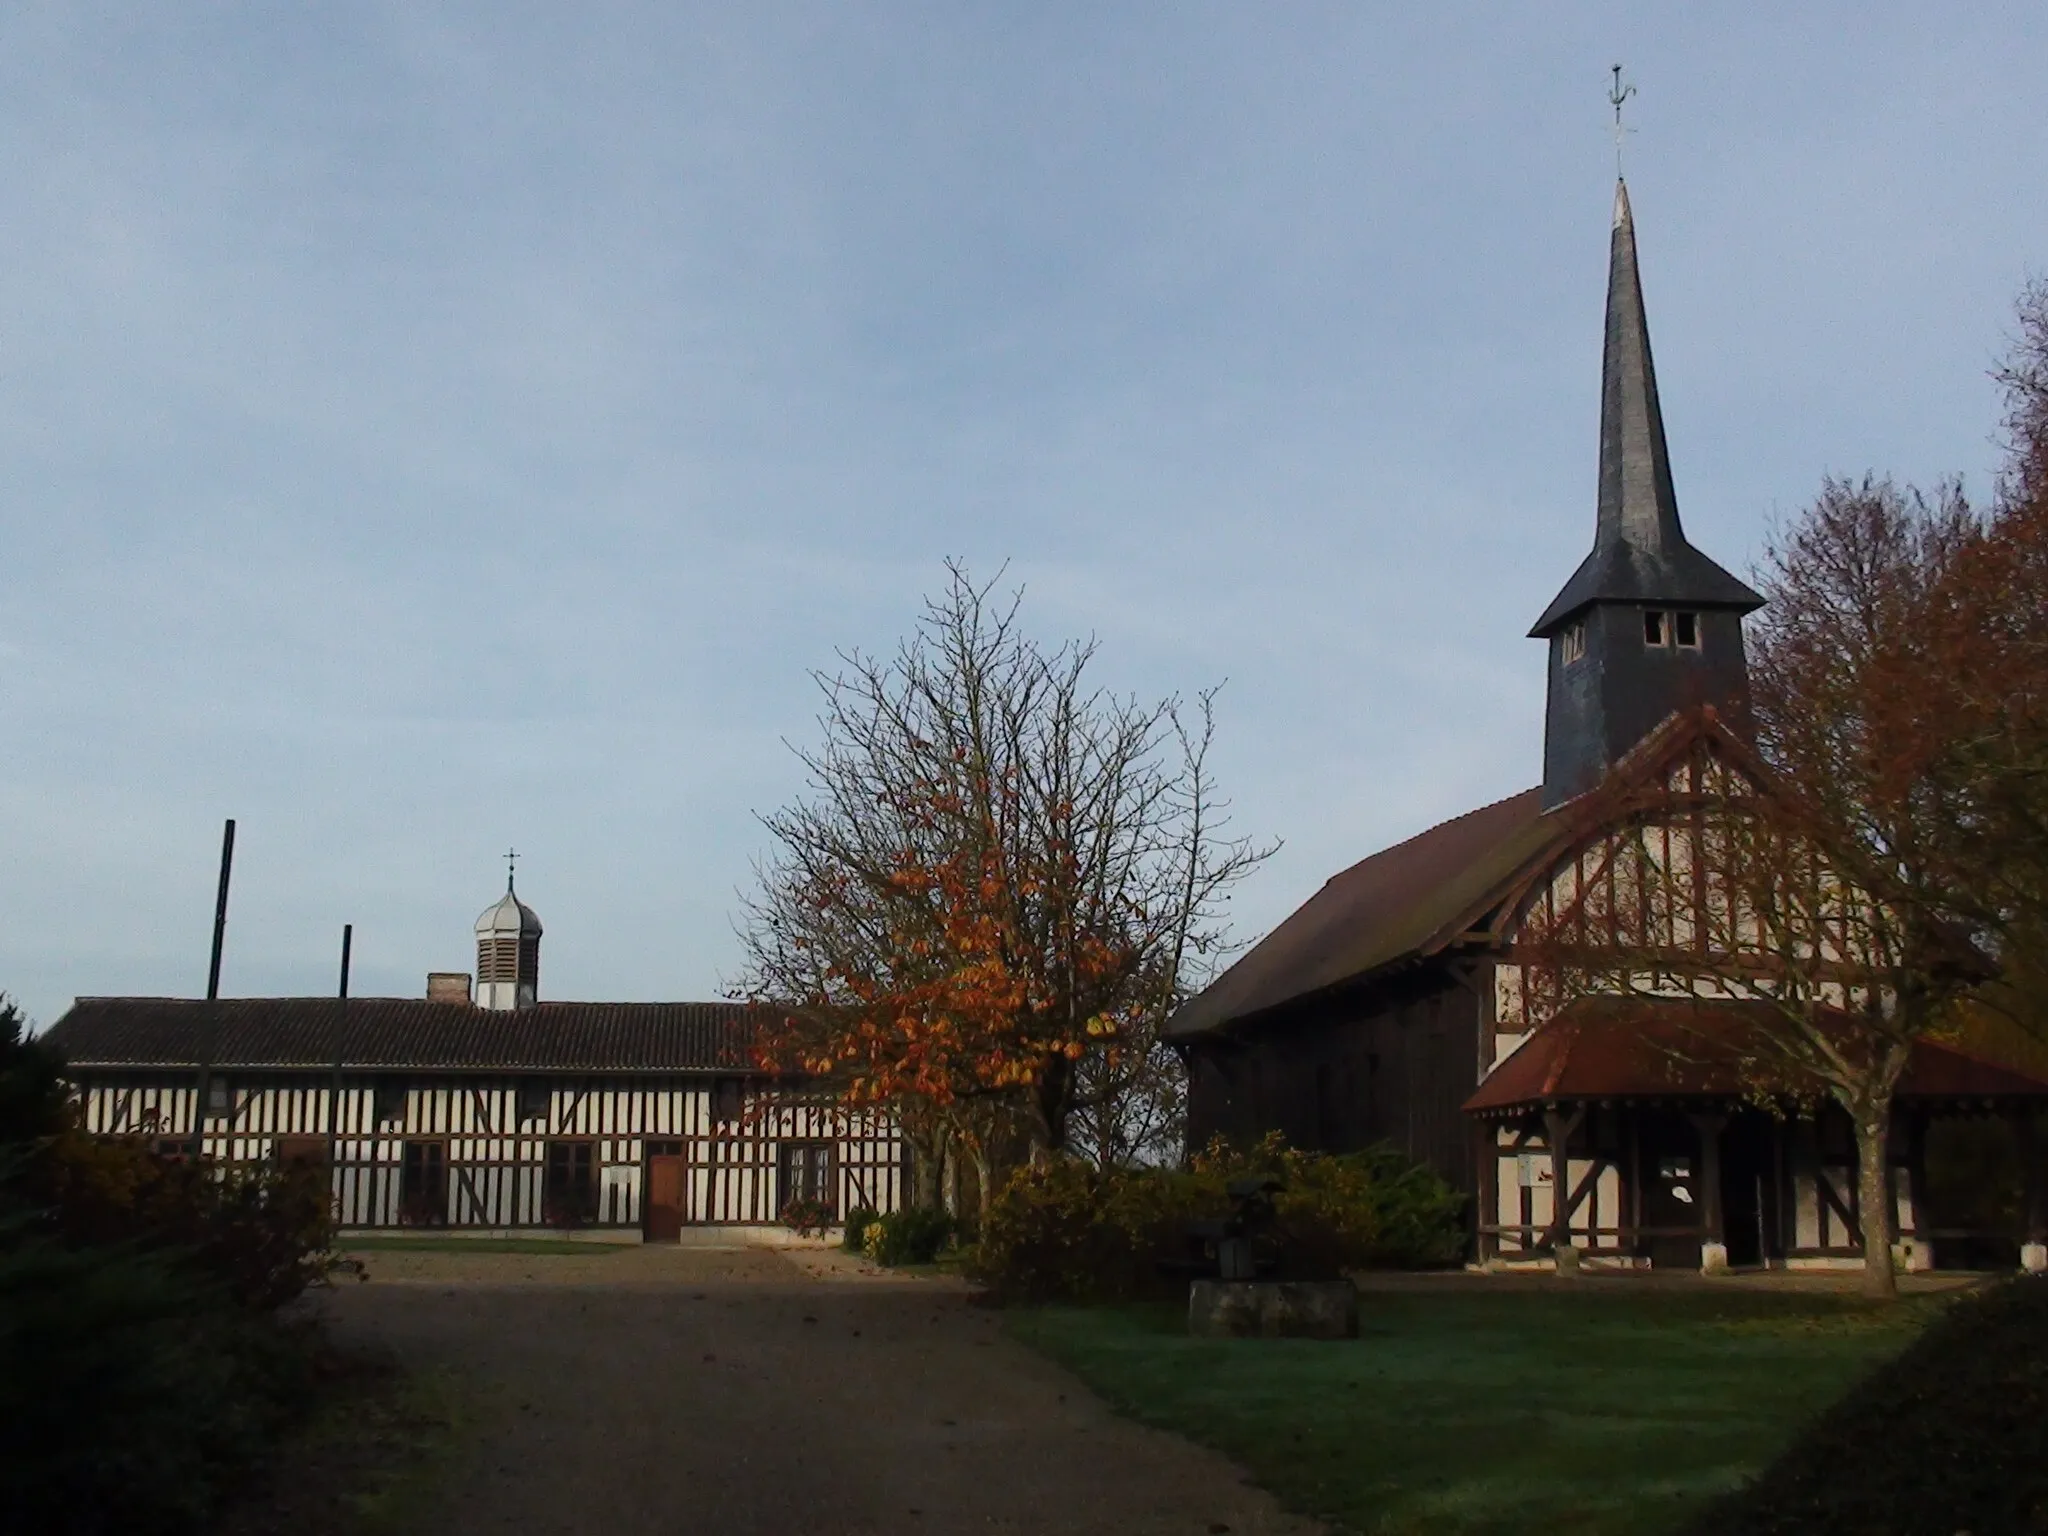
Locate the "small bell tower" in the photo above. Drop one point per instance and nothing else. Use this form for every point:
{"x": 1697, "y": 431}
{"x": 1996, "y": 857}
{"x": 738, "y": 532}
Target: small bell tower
{"x": 508, "y": 951}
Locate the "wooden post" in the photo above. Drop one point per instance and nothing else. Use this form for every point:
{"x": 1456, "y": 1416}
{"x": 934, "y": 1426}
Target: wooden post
{"x": 1557, "y": 1130}
{"x": 1713, "y": 1236}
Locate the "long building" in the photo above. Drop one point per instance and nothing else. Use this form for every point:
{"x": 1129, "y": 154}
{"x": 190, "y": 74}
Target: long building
{"x": 479, "y": 1106}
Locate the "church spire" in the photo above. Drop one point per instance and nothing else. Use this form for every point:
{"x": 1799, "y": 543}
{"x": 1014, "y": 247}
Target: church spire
{"x": 1637, "y": 503}
{"x": 1647, "y": 624}
{"x": 1640, "y": 553}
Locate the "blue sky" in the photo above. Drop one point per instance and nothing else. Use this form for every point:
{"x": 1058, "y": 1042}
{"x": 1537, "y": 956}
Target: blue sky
{"x": 429, "y": 428}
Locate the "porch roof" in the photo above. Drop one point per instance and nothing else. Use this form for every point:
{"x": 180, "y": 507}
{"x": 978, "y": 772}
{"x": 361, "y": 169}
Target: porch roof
{"x": 1653, "y": 1048}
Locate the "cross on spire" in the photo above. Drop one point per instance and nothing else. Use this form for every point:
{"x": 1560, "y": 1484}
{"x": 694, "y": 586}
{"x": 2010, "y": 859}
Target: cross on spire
{"x": 511, "y": 860}
{"x": 1616, "y": 96}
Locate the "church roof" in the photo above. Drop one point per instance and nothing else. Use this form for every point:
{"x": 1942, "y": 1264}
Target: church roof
{"x": 388, "y": 1033}
{"x": 1640, "y": 553}
{"x": 1380, "y": 910}
{"x": 1623, "y": 1047}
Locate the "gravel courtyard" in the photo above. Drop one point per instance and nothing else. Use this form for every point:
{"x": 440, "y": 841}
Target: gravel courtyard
{"x": 754, "y": 1390}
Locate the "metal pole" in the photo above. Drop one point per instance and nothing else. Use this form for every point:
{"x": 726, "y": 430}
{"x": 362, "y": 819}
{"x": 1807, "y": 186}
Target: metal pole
{"x": 220, "y": 909}
{"x": 348, "y": 932}
{"x": 212, "y": 1025}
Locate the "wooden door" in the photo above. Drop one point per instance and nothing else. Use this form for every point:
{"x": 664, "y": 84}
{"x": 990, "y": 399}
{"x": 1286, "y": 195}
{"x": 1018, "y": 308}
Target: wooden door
{"x": 664, "y": 1198}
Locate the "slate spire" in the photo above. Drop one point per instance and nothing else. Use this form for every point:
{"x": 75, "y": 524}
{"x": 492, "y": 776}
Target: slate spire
{"x": 1647, "y": 624}
{"x": 1640, "y": 553}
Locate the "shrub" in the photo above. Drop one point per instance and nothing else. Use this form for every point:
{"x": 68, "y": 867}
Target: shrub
{"x": 135, "y": 1390}
{"x": 914, "y": 1235}
{"x": 1068, "y": 1230}
{"x": 262, "y": 1231}
{"x": 1373, "y": 1209}
{"x": 858, "y": 1220}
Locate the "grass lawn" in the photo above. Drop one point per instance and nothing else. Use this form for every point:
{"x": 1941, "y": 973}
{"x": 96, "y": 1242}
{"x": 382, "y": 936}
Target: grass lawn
{"x": 551, "y": 1245}
{"x": 1612, "y": 1409}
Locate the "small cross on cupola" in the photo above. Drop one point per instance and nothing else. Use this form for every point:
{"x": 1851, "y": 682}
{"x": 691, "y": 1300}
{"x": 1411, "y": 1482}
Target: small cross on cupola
{"x": 1647, "y": 625}
{"x": 508, "y": 950}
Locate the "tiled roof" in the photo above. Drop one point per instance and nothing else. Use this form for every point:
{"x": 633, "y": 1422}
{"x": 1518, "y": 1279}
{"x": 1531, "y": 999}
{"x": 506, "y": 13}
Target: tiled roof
{"x": 1377, "y": 911}
{"x": 395, "y": 1032}
{"x": 1627, "y": 1047}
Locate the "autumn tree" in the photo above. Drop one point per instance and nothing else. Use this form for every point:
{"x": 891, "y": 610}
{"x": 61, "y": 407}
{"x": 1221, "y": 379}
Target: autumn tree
{"x": 1001, "y": 881}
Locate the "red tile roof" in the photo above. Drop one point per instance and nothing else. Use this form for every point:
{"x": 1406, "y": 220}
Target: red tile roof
{"x": 399, "y": 1032}
{"x": 1624, "y": 1047}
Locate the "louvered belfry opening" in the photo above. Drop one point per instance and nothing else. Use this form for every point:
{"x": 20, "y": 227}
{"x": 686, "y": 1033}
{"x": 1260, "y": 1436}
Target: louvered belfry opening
{"x": 497, "y": 959}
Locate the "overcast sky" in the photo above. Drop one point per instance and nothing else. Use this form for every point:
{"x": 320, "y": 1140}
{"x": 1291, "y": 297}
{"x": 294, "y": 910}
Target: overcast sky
{"x": 431, "y": 428}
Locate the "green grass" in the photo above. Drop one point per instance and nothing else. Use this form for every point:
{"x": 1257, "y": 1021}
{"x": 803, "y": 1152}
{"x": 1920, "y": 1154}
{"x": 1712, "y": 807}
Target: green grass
{"x": 1605, "y": 1411}
{"x": 549, "y": 1245}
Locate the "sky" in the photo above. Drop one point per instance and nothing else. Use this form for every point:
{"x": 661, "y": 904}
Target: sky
{"x": 433, "y": 428}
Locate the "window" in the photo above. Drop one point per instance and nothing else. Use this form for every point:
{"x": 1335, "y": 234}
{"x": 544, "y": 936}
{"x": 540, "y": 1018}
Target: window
{"x": 293, "y": 1151}
{"x": 423, "y": 1184}
{"x": 569, "y": 1186}
{"x": 388, "y": 1100}
{"x": 1574, "y": 641}
{"x": 1656, "y": 627}
{"x": 535, "y": 1100}
{"x": 1687, "y": 626}
{"x": 728, "y": 1099}
{"x": 807, "y": 1175}
{"x": 220, "y": 1096}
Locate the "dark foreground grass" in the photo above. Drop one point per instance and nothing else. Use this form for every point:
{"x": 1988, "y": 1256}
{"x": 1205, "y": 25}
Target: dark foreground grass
{"x": 1951, "y": 1435}
{"x": 549, "y": 1245}
{"x": 1605, "y": 1410}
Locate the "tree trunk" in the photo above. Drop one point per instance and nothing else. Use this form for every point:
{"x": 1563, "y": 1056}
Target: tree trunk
{"x": 981, "y": 1186}
{"x": 927, "y": 1169}
{"x": 1874, "y": 1197}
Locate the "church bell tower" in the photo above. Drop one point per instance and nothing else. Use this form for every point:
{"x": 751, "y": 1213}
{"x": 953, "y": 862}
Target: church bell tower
{"x": 1647, "y": 625}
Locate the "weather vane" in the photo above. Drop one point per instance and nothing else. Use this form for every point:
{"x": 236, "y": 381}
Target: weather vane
{"x": 511, "y": 859}
{"x": 1615, "y": 97}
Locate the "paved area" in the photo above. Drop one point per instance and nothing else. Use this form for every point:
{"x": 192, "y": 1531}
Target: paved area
{"x": 756, "y": 1391}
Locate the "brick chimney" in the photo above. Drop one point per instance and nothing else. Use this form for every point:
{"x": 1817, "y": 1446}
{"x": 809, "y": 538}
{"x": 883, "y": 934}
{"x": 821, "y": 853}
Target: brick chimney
{"x": 448, "y": 987}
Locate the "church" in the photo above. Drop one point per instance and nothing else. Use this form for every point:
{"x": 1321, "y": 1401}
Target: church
{"x": 481, "y": 1107}
{"x": 1392, "y": 1006}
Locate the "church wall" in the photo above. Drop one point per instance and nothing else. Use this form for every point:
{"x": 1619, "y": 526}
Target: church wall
{"x": 495, "y": 1160}
{"x": 1394, "y": 1064}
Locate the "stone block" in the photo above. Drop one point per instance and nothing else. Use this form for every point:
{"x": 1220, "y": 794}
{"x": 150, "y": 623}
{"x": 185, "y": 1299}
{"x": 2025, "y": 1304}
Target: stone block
{"x": 1713, "y": 1258}
{"x": 1273, "y": 1309}
{"x": 2034, "y": 1257}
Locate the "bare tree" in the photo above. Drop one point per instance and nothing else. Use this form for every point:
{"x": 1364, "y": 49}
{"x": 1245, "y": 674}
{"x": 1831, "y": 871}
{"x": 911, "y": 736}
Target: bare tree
{"x": 995, "y": 890}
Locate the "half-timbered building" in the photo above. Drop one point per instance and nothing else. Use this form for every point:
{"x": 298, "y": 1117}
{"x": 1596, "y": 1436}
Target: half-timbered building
{"x": 480, "y": 1106}
{"x": 1395, "y": 1004}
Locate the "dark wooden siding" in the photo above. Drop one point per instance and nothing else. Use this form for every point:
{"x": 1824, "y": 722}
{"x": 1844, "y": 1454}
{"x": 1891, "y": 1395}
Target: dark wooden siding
{"x": 1393, "y": 1064}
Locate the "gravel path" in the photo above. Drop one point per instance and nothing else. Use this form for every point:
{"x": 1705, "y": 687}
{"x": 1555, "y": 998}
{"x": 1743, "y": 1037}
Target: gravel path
{"x": 751, "y": 1391}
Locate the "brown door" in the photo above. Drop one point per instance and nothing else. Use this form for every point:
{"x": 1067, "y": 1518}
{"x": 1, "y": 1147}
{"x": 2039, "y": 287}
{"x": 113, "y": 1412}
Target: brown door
{"x": 664, "y": 1198}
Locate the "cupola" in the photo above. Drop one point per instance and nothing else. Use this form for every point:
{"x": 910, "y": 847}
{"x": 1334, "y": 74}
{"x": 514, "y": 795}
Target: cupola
{"x": 508, "y": 953}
